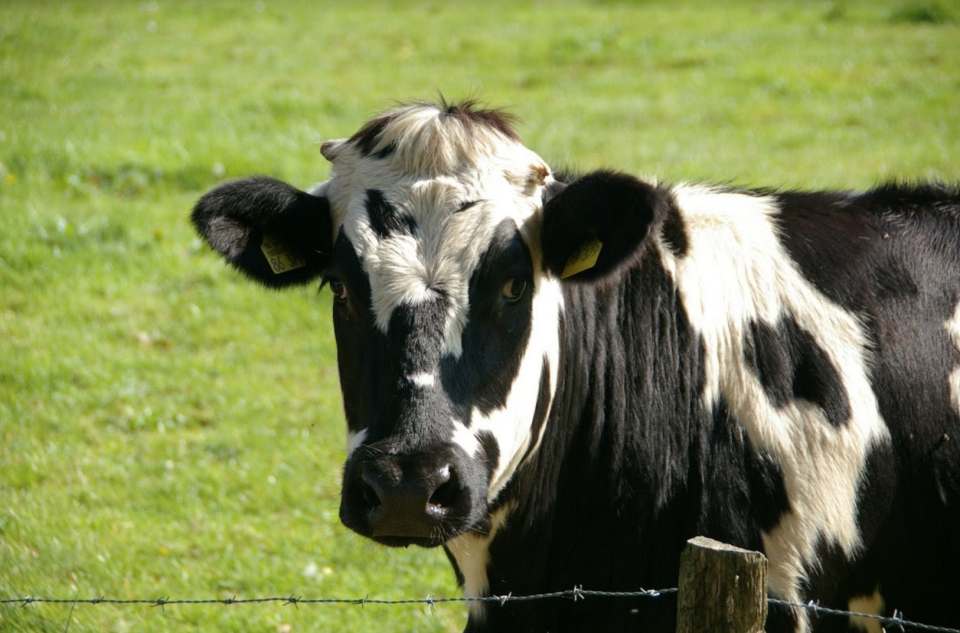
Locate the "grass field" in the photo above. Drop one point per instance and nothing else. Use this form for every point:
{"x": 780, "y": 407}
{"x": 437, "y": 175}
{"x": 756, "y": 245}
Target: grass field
{"x": 167, "y": 430}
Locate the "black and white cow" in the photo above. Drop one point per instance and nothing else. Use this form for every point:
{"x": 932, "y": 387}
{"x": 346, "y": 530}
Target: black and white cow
{"x": 560, "y": 381}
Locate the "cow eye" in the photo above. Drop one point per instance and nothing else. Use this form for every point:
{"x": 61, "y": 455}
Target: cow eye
{"x": 513, "y": 290}
{"x": 338, "y": 289}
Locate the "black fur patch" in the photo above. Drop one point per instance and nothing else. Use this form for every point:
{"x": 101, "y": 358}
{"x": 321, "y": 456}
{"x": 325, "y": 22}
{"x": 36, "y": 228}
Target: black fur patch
{"x": 894, "y": 281}
{"x": 471, "y": 113}
{"x": 385, "y": 220}
{"x": 768, "y": 492}
{"x": 790, "y": 364}
{"x": 674, "y": 233}
{"x": 367, "y": 138}
{"x": 491, "y": 451}
{"x": 852, "y": 245}
{"x": 416, "y": 331}
{"x": 497, "y": 332}
{"x": 361, "y": 348}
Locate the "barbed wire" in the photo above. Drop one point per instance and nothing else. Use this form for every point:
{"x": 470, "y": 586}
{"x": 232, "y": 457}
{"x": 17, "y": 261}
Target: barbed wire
{"x": 896, "y": 619}
{"x": 577, "y": 593}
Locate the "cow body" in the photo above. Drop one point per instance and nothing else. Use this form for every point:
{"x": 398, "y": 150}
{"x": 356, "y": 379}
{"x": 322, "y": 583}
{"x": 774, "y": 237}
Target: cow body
{"x": 776, "y": 370}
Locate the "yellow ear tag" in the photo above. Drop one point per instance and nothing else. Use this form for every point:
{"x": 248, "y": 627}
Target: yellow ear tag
{"x": 584, "y": 258}
{"x": 280, "y": 259}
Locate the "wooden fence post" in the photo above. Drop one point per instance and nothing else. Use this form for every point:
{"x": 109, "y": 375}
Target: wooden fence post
{"x": 723, "y": 589}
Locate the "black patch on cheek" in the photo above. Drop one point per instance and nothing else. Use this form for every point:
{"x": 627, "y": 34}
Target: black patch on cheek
{"x": 674, "y": 233}
{"x": 362, "y": 351}
{"x": 491, "y": 452}
{"x": 385, "y": 220}
{"x": 790, "y": 364}
{"x": 497, "y": 333}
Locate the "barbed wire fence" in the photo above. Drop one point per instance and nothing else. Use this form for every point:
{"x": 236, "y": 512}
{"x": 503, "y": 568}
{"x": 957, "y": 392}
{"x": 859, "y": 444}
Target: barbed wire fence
{"x": 577, "y": 593}
{"x": 895, "y": 622}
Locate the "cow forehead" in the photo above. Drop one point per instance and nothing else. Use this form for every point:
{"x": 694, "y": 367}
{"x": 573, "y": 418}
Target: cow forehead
{"x": 443, "y": 209}
{"x": 454, "y": 156}
{"x": 438, "y": 250}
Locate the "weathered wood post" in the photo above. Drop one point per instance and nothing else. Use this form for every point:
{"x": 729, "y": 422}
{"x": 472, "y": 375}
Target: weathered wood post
{"x": 723, "y": 589}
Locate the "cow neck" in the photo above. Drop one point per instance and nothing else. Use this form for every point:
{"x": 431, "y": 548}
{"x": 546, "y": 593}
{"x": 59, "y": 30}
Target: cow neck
{"x": 601, "y": 474}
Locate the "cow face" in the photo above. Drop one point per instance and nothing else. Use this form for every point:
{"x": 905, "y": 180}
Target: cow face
{"x": 444, "y": 320}
{"x": 430, "y": 234}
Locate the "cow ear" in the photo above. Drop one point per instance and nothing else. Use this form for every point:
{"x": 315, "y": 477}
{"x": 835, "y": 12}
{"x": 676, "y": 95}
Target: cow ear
{"x": 598, "y": 224}
{"x": 269, "y": 230}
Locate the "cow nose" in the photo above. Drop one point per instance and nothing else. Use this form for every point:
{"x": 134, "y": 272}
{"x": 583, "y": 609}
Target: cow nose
{"x": 404, "y": 499}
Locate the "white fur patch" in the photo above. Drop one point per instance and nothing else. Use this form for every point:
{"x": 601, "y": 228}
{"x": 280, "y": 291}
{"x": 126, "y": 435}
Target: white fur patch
{"x": 869, "y": 605}
{"x": 423, "y": 381}
{"x": 953, "y": 329}
{"x": 471, "y": 551}
{"x": 465, "y": 439}
{"x": 355, "y": 440}
{"x": 736, "y": 272}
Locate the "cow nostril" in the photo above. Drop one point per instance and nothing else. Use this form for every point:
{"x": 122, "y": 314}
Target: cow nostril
{"x": 370, "y": 497}
{"x": 447, "y": 492}
{"x": 445, "y": 496}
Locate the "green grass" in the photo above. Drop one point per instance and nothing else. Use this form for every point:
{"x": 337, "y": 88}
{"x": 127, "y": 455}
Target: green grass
{"x": 168, "y": 430}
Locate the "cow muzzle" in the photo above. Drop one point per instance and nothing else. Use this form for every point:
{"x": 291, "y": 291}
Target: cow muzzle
{"x": 422, "y": 499}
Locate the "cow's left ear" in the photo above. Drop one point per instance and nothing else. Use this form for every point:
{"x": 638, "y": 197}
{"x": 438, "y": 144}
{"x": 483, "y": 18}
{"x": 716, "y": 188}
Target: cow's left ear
{"x": 269, "y": 230}
{"x": 598, "y": 224}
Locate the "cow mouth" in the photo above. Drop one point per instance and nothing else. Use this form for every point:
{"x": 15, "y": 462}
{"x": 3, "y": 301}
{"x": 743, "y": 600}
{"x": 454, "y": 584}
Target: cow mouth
{"x": 403, "y": 531}
{"x": 407, "y": 541}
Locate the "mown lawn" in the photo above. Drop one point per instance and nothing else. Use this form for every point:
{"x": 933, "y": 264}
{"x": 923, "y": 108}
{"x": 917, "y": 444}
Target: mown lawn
{"x": 167, "y": 430}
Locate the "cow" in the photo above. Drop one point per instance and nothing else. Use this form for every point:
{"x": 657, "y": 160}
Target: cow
{"x": 560, "y": 379}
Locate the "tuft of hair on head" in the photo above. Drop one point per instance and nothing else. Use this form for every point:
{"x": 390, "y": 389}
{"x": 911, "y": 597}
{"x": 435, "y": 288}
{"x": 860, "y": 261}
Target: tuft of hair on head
{"x": 435, "y": 138}
{"x": 472, "y": 111}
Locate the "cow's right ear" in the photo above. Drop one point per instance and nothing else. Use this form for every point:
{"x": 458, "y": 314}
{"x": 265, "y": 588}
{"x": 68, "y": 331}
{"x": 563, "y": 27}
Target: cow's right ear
{"x": 598, "y": 224}
{"x": 269, "y": 230}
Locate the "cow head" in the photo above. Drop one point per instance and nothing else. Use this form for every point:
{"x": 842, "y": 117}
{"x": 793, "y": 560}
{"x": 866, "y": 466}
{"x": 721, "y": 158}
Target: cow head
{"x": 443, "y": 240}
